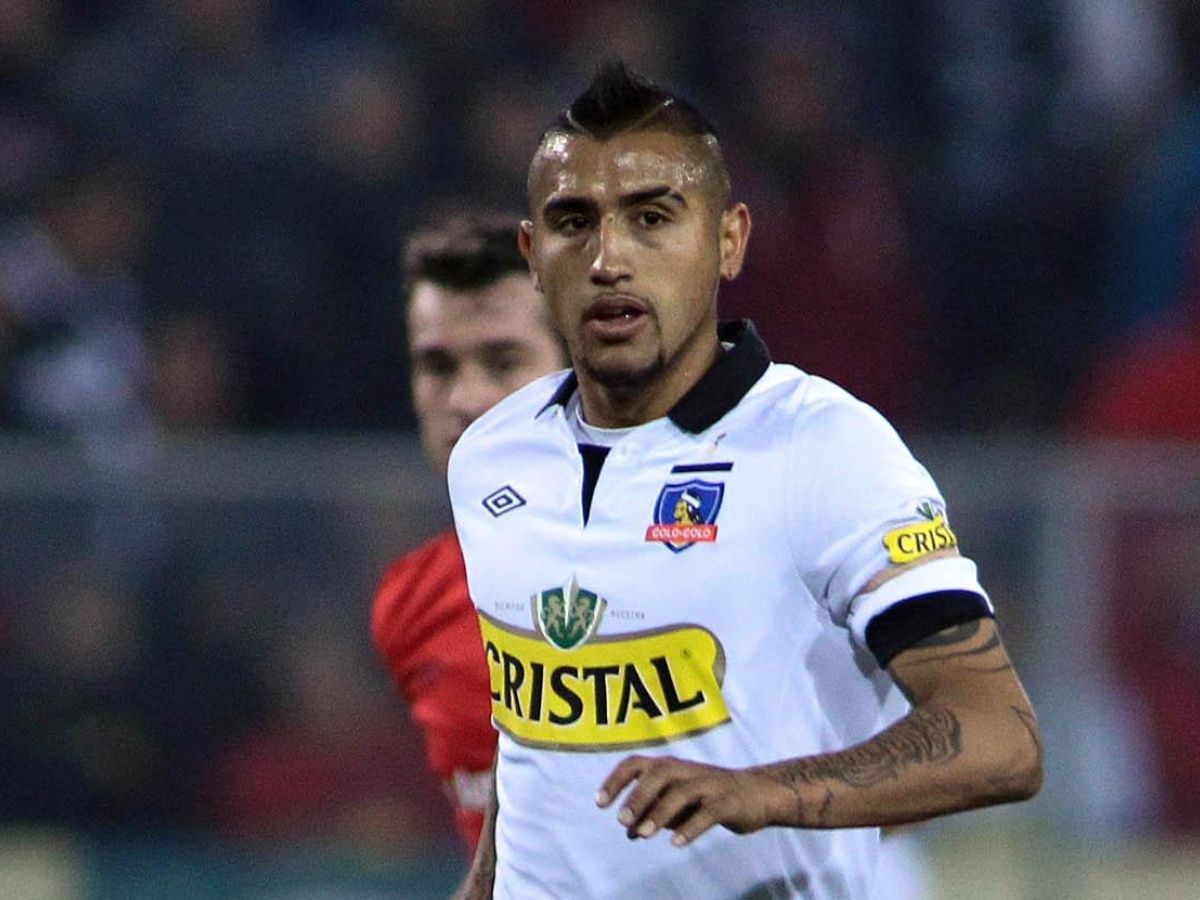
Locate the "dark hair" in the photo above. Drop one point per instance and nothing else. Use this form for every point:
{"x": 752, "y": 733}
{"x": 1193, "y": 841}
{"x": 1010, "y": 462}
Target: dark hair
{"x": 619, "y": 100}
{"x": 464, "y": 252}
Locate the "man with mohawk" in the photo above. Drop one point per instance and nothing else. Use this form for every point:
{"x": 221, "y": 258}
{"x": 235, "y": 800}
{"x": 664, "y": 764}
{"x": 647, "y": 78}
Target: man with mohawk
{"x": 751, "y": 559}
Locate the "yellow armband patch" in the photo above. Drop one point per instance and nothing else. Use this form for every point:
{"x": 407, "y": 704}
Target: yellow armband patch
{"x": 911, "y": 542}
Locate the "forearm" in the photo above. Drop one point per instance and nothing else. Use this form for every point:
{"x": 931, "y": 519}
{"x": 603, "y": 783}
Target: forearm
{"x": 971, "y": 740}
{"x": 481, "y": 876}
{"x": 941, "y": 758}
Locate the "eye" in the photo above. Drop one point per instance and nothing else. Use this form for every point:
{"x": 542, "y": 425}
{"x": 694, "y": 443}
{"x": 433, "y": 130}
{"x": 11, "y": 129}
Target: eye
{"x": 435, "y": 365}
{"x": 651, "y": 218}
{"x": 572, "y": 224}
{"x": 501, "y": 363}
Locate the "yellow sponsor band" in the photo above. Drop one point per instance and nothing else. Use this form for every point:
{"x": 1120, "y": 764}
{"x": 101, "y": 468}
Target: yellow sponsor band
{"x": 613, "y": 693}
{"x": 914, "y": 541}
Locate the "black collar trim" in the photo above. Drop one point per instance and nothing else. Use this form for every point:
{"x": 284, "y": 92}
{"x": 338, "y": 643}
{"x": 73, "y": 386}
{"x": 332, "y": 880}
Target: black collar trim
{"x": 719, "y": 389}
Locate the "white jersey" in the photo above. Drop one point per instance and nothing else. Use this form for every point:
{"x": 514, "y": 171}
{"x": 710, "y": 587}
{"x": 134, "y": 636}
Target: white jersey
{"x": 709, "y": 608}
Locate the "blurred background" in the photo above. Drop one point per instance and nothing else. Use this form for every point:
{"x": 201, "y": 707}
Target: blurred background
{"x": 982, "y": 216}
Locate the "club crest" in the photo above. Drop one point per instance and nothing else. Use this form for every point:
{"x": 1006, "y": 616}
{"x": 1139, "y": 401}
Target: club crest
{"x": 686, "y": 514}
{"x": 568, "y": 616}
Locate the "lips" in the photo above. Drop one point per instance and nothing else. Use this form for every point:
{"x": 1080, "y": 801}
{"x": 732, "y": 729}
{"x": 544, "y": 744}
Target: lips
{"x": 615, "y": 306}
{"x": 615, "y": 317}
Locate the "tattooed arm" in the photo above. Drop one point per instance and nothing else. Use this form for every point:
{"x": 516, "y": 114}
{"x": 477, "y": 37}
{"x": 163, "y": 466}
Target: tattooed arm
{"x": 971, "y": 740}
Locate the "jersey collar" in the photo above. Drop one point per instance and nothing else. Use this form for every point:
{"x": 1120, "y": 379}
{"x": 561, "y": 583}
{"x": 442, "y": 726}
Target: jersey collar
{"x": 719, "y": 389}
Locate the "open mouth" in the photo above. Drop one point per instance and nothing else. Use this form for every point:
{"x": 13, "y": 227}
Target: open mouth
{"x": 615, "y": 309}
{"x": 615, "y": 317}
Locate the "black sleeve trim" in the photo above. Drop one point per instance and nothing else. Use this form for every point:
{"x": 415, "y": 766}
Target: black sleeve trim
{"x": 900, "y": 626}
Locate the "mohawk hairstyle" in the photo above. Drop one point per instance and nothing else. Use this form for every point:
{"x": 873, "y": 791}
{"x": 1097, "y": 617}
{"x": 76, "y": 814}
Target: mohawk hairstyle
{"x": 619, "y": 101}
{"x": 465, "y": 252}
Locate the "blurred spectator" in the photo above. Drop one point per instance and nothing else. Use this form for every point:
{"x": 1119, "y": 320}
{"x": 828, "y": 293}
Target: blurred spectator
{"x": 80, "y": 741}
{"x": 503, "y": 120}
{"x": 1158, "y": 216}
{"x": 650, "y": 38}
{"x": 334, "y": 360}
{"x": 1145, "y": 385}
{"x": 1149, "y": 388}
{"x": 1154, "y": 633}
{"x": 332, "y": 767}
{"x": 828, "y": 265}
{"x": 74, "y": 310}
{"x": 29, "y": 32}
{"x": 1006, "y": 220}
{"x": 194, "y": 385}
{"x": 1145, "y": 380}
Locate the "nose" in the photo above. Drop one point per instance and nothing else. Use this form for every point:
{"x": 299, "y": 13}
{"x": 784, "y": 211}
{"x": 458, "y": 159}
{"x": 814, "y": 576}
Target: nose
{"x": 611, "y": 262}
{"x": 472, "y": 394}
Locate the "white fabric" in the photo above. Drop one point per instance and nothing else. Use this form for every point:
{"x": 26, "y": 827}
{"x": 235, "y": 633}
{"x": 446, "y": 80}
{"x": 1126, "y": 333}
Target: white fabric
{"x": 923, "y": 579}
{"x": 592, "y": 434}
{"x": 816, "y": 479}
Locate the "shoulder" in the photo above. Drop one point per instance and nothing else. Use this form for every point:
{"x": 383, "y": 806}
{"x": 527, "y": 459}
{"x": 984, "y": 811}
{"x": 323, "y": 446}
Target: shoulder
{"x": 517, "y": 409}
{"x": 515, "y": 412}
{"x": 411, "y": 585}
{"x": 814, "y": 411}
{"x": 436, "y": 554}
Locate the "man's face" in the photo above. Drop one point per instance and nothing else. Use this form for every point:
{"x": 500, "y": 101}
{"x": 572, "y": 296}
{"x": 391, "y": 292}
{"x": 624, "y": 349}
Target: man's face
{"x": 629, "y": 242}
{"x": 471, "y": 349}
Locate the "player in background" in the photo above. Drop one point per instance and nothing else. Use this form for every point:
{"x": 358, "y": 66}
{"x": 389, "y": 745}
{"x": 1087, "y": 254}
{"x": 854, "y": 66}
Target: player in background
{"x": 477, "y": 330}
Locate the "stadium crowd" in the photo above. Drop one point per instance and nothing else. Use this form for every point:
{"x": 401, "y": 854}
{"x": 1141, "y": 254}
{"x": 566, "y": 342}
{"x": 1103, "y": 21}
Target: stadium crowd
{"x": 201, "y": 209}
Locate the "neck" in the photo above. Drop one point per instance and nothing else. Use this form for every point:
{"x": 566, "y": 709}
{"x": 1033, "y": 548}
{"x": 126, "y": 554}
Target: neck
{"x": 622, "y": 406}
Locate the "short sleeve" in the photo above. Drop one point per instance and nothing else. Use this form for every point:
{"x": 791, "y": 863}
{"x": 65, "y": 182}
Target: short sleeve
{"x": 860, "y": 502}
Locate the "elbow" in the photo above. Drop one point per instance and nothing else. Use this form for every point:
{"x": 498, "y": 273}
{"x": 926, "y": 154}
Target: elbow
{"x": 1021, "y": 776}
{"x": 1027, "y": 778}
{"x": 1034, "y": 757}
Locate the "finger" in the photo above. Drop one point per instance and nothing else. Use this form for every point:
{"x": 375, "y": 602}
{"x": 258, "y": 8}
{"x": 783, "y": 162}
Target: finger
{"x": 679, "y": 802}
{"x": 626, "y": 771}
{"x": 653, "y": 780}
{"x": 695, "y": 825}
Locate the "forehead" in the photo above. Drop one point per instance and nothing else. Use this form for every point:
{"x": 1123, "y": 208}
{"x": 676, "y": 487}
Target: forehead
{"x": 508, "y": 309}
{"x": 581, "y": 166}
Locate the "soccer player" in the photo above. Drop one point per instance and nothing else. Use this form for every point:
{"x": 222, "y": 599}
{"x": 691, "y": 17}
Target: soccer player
{"x": 477, "y": 330}
{"x": 699, "y": 574}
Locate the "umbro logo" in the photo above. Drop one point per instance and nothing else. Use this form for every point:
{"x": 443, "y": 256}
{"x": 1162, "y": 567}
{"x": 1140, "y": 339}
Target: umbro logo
{"x": 503, "y": 500}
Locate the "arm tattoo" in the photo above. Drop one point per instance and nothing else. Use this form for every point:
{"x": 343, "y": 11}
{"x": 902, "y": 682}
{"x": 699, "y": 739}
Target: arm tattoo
{"x": 1026, "y": 718}
{"x": 950, "y": 635}
{"x": 958, "y": 635}
{"x": 930, "y": 735}
{"x": 826, "y": 806}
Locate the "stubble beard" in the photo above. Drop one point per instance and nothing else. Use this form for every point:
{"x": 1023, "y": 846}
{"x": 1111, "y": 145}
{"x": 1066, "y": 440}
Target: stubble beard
{"x": 625, "y": 380}
{"x": 626, "y": 377}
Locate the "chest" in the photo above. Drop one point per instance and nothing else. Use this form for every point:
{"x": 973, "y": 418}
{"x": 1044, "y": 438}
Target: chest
{"x": 691, "y": 532}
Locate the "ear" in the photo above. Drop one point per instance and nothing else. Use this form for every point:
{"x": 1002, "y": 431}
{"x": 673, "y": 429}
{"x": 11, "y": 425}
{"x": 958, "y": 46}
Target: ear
{"x": 735, "y": 233}
{"x": 525, "y": 242}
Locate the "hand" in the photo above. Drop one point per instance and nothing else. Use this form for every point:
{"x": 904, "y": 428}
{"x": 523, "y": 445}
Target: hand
{"x": 689, "y": 798}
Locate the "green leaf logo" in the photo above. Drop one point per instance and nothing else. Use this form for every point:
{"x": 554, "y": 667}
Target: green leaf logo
{"x": 928, "y": 511}
{"x": 568, "y": 616}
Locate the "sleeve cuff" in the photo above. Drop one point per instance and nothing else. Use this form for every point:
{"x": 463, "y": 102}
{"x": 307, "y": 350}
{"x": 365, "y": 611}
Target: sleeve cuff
{"x": 954, "y": 574}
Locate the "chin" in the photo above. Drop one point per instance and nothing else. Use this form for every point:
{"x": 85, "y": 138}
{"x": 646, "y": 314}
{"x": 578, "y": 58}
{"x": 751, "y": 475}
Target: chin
{"x": 623, "y": 376}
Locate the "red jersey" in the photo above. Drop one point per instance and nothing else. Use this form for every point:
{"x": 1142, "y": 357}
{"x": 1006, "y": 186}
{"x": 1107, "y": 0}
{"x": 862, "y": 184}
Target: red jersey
{"x": 425, "y": 627}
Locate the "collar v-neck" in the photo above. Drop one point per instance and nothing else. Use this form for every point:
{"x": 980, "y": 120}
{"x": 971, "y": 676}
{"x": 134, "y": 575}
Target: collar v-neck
{"x": 719, "y": 389}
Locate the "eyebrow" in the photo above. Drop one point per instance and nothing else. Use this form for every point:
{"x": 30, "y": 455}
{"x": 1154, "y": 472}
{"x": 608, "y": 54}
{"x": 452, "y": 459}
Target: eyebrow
{"x": 497, "y": 345}
{"x": 571, "y": 204}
